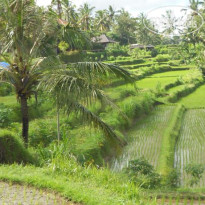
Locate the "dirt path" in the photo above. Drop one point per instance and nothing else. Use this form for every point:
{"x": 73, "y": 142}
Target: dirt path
{"x": 13, "y": 194}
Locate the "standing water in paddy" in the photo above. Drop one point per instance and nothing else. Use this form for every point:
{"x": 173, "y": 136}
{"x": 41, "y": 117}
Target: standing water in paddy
{"x": 145, "y": 138}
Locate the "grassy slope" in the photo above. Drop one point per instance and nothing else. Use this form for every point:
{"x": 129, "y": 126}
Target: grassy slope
{"x": 196, "y": 99}
{"x": 86, "y": 185}
{"x": 8, "y": 100}
{"x": 151, "y": 83}
{"x": 162, "y": 78}
{"x": 171, "y": 74}
{"x": 175, "y": 89}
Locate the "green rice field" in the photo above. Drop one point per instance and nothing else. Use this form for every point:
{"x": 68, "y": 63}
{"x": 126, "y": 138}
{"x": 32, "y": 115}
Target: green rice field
{"x": 190, "y": 147}
{"x": 176, "y": 88}
{"x": 171, "y": 74}
{"x": 195, "y": 99}
{"x": 151, "y": 83}
{"x": 163, "y": 79}
{"x": 145, "y": 138}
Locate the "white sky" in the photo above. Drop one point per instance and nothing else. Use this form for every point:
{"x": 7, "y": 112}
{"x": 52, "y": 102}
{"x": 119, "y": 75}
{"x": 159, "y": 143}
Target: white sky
{"x": 133, "y": 6}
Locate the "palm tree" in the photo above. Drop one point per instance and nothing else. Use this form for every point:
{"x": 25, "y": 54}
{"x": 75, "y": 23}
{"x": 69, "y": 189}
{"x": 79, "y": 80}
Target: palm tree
{"x": 78, "y": 85}
{"x": 102, "y": 20}
{"x": 111, "y": 13}
{"x": 194, "y": 4}
{"x": 23, "y": 29}
{"x": 85, "y": 16}
{"x": 169, "y": 23}
{"x": 66, "y": 11}
{"x": 23, "y": 38}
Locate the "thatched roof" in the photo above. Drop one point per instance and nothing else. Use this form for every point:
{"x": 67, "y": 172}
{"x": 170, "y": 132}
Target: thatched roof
{"x": 102, "y": 39}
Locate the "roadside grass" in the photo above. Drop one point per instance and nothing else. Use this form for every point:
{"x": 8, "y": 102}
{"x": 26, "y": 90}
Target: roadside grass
{"x": 195, "y": 99}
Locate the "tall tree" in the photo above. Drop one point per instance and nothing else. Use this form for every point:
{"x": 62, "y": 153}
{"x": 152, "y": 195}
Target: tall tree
{"x": 124, "y": 28}
{"x": 24, "y": 27}
{"x": 145, "y": 31}
{"x": 194, "y": 4}
{"x": 102, "y": 22}
{"x": 86, "y": 16}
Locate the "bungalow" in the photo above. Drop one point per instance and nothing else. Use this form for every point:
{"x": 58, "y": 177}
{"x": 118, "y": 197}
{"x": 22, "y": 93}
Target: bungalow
{"x": 103, "y": 40}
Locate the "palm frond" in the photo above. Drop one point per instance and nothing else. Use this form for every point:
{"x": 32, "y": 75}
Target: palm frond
{"x": 92, "y": 119}
{"x": 94, "y": 70}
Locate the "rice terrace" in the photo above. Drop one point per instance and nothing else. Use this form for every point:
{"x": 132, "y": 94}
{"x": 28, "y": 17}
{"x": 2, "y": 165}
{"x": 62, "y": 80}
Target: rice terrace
{"x": 102, "y": 104}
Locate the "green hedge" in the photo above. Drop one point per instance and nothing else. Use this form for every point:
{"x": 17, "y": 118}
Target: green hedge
{"x": 132, "y": 107}
{"x": 73, "y": 56}
{"x": 96, "y": 56}
{"x": 189, "y": 88}
{"x": 162, "y": 58}
{"x": 12, "y": 150}
{"x": 171, "y": 85}
{"x": 128, "y": 62}
{"x": 143, "y": 72}
{"x": 166, "y": 158}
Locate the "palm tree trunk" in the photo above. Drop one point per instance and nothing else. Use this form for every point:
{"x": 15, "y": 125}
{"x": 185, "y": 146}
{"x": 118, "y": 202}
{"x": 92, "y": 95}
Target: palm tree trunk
{"x": 25, "y": 119}
{"x": 58, "y": 124}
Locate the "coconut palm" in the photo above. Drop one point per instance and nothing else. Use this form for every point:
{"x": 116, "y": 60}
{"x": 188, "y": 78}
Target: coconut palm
{"x": 22, "y": 31}
{"x": 102, "y": 20}
{"x": 25, "y": 30}
{"x": 85, "y": 16}
{"x": 66, "y": 11}
{"x": 111, "y": 13}
{"x": 194, "y": 4}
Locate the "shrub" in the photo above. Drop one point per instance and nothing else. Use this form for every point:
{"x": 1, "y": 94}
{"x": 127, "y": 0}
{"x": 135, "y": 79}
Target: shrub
{"x": 72, "y": 56}
{"x": 129, "y": 62}
{"x": 96, "y": 56}
{"x": 111, "y": 58}
{"x": 173, "y": 179}
{"x": 128, "y": 92}
{"x": 5, "y": 89}
{"x": 162, "y": 58}
{"x": 117, "y": 50}
{"x": 173, "y": 63}
{"x": 12, "y": 149}
{"x": 154, "y": 53}
{"x": 143, "y": 173}
{"x": 196, "y": 171}
{"x": 42, "y": 132}
{"x": 5, "y": 113}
